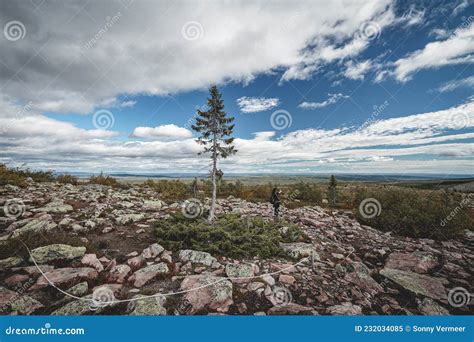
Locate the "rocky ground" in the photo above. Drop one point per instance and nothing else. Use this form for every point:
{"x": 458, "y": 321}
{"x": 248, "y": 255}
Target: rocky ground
{"x": 96, "y": 246}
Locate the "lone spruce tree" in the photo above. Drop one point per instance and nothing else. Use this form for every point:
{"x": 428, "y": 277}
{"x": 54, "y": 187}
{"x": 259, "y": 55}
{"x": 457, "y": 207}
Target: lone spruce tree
{"x": 215, "y": 129}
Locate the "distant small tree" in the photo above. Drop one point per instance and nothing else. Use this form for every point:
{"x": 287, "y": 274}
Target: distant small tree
{"x": 332, "y": 190}
{"x": 216, "y": 130}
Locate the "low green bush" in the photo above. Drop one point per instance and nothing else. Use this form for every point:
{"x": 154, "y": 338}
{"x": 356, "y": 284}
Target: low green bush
{"x": 414, "y": 213}
{"x": 104, "y": 180}
{"x": 230, "y": 235}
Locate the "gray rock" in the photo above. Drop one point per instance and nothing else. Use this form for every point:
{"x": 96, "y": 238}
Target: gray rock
{"x": 151, "y": 306}
{"x": 38, "y": 225}
{"x": 429, "y": 307}
{"x": 147, "y": 274}
{"x": 299, "y": 250}
{"x": 242, "y": 270}
{"x": 198, "y": 257}
{"x": 10, "y": 262}
{"x": 79, "y": 290}
{"x": 56, "y": 207}
{"x": 416, "y": 283}
{"x": 346, "y": 309}
{"x": 129, "y": 218}
{"x": 56, "y": 252}
{"x": 25, "y": 305}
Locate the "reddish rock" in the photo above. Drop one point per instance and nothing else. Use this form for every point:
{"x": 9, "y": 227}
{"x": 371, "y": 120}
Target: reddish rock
{"x": 419, "y": 262}
{"x": 136, "y": 262}
{"x": 16, "y": 279}
{"x": 147, "y": 274}
{"x": 206, "y": 292}
{"x": 92, "y": 261}
{"x": 286, "y": 279}
{"x": 65, "y": 277}
{"x": 152, "y": 251}
{"x": 118, "y": 274}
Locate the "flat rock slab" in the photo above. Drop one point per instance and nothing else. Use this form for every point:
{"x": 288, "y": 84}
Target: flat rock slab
{"x": 149, "y": 273}
{"x": 346, "y": 309}
{"x": 65, "y": 277}
{"x": 148, "y": 306}
{"x": 416, "y": 283}
{"x": 419, "y": 262}
{"x": 56, "y": 252}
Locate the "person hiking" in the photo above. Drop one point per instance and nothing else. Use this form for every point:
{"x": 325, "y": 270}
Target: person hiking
{"x": 194, "y": 187}
{"x": 275, "y": 201}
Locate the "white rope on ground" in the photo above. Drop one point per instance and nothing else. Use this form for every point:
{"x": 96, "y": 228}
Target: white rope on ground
{"x": 92, "y": 300}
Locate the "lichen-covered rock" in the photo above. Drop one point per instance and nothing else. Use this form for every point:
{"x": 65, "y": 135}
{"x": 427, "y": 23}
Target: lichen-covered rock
{"x": 152, "y": 251}
{"x": 25, "y": 305}
{"x": 118, "y": 273}
{"x": 198, "y": 257}
{"x": 240, "y": 272}
{"x": 207, "y": 292}
{"x": 56, "y": 207}
{"x": 299, "y": 250}
{"x": 146, "y": 274}
{"x": 129, "y": 218}
{"x": 56, "y": 252}
{"x": 39, "y": 225}
{"x": 10, "y": 262}
{"x": 417, "y": 283}
{"x": 346, "y": 309}
{"x": 429, "y": 307}
{"x": 148, "y": 306}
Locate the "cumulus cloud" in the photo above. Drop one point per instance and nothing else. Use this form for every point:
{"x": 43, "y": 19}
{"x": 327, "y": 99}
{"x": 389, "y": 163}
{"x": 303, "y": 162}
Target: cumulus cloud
{"x": 256, "y": 104}
{"x": 333, "y": 98}
{"x": 168, "y": 132}
{"x": 43, "y": 142}
{"x": 151, "y": 50}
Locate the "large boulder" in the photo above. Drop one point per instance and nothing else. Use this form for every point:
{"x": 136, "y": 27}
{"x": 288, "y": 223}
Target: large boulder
{"x": 65, "y": 277}
{"x": 419, "y": 262}
{"x": 147, "y": 274}
{"x": 207, "y": 292}
{"x": 242, "y": 272}
{"x": 56, "y": 252}
{"x": 198, "y": 257}
{"x": 416, "y": 283}
{"x": 148, "y": 306}
{"x": 299, "y": 250}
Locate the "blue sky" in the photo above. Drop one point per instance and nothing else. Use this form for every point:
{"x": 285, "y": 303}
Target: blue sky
{"x": 368, "y": 86}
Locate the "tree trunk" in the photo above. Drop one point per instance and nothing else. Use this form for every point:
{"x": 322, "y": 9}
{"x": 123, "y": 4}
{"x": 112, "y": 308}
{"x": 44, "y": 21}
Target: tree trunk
{"x": 214, "y": 185}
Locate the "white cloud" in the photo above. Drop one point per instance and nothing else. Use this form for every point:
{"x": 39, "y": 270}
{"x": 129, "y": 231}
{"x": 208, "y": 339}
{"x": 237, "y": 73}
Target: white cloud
{"x": 47, "y": 143}
{"x": 450, "y": 86}
{"x": 145, "y": 52}
{"x": 333, "y": 98}
{"x": 356, "y": 71}
{"x": 168, "y": 132}
{"x": 457, "y": 49}
{"x": 256, "y": 104}
{"x": 128, "y": 104}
